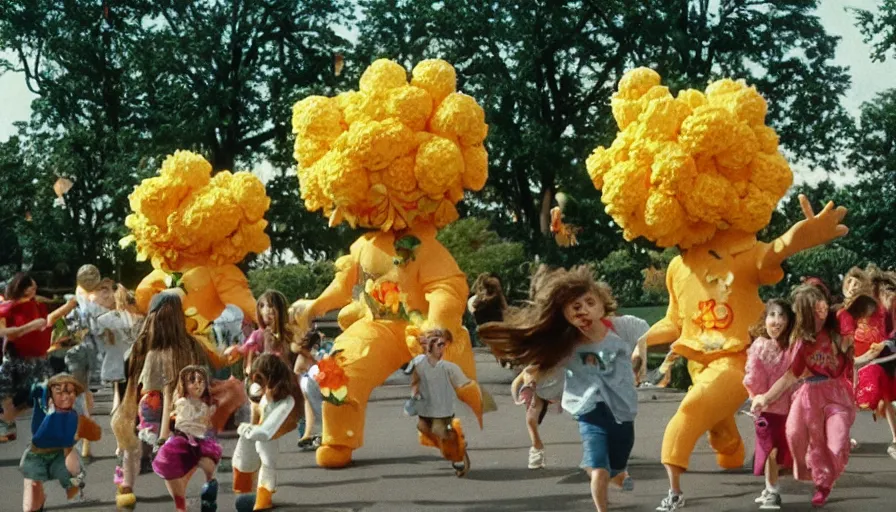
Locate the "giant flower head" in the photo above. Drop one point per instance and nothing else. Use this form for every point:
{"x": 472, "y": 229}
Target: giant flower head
{"x": 185, "y": 217}
{"x": 393, "y": 153}
{"x": 684, "y": 167}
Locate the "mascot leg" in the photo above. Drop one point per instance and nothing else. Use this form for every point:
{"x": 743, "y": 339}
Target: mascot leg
{"x": 455, "y": 445}
{"x": 709, "y": 406}
{"x": 246, "y": 462}
{"x": 372, "y": 350}
{"x": 267, "y": 475}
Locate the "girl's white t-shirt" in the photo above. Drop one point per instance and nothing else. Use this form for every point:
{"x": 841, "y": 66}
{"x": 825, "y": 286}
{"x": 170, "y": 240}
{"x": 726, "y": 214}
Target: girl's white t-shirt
{"x": 437, "y": 384}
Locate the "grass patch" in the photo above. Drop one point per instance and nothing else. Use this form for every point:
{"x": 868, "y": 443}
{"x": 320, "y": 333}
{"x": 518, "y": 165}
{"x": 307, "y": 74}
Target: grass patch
{"x": 650, "y": 314}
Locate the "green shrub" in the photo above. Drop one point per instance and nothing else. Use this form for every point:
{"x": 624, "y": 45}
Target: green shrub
{"x": 478, "y": 249}
{"x": 296, "y": 281}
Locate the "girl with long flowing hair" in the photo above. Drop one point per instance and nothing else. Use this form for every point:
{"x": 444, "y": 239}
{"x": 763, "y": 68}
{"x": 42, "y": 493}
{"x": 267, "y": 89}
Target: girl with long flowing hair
{"x": 571, "y": 325}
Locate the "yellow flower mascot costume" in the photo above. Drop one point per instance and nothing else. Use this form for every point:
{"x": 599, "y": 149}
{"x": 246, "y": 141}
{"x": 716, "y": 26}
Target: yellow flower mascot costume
{"x": 194, "y": 227}
{"x": 393, "y": 157}
{"x": 702, "y": 171}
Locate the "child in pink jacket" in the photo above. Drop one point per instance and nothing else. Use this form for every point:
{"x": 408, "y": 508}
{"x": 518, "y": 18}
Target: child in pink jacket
{"x": 767, "y": 360}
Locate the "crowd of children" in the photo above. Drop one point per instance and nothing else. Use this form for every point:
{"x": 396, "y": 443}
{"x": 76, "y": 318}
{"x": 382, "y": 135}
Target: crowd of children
{"x": 813, "y": 363}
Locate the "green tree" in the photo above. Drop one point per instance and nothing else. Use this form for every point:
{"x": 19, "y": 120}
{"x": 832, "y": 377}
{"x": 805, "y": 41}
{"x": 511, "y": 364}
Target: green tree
{"x": 544, "y": 71}
{"x": 879, "y": 28}
{"x": 295, "y": 281}
{"x": 80, "y": 127}
{"x": 120, "y": 85}
{"x": 477, "y": 249}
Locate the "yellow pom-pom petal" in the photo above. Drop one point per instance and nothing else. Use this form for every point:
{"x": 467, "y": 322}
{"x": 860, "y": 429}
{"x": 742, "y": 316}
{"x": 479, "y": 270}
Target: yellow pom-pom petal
{"x": 375, "y": 145}
{"x": 410, "y": 105}
{"x": 382, "y": 75}
{"x": 598, "y": 163}
{"x": 771, "y": 173}
{"x": 344, "y": 180}
{"x": 738, "y": 155}
{"x": 317, "y": 118}
{"x": 475, "y": 167}
{"x": 399, "y": 175}
{"x": 636, "y": 82}
{"x": 460, "y": 117}
{"x": 709, "y": 130}
{"x": 436, "y": 77}
{"x": 439, "y": 163}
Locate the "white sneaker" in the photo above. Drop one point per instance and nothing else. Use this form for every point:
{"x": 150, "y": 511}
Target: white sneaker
{"x": 762, "y": 496}
{"x": 671, "y": 502}
{"x": 536, "y": 458}
{"x": 891, "y": 450}
{"x": 772, "y": 501}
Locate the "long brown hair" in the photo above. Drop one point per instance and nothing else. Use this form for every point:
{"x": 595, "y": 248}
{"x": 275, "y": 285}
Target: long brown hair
{"x": 804, "y": 298}
{"x": 282, "y": 333}
{"x": 880, "y": 281}
{"x": 539, "y": 333}
{"x": 16, "y": 287}
{"x": 759, "y": 330}
{"x": 269, "y": 371}
{"x": 164, "y": 330}
{"x": 489, "y": 304}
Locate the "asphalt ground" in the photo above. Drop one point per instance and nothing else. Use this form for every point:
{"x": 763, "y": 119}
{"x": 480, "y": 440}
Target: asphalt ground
{"x": 392, "y": 472}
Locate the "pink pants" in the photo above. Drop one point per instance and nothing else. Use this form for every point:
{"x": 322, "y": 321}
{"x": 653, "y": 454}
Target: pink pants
{"x": 821, "y": 415}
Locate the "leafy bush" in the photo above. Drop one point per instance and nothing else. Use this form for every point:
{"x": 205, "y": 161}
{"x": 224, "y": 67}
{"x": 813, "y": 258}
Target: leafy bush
{"x": 478, "y": 249}
{"x": 828, "y": 262}
{"x": 296, "y": 281}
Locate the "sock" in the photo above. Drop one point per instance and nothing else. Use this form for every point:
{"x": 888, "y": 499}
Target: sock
{"x": 180, "y": 503}
{"x": 771, "y": 488}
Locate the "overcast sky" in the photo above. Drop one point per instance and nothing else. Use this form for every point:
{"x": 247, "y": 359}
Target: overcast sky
{"x": 868, "y": 78}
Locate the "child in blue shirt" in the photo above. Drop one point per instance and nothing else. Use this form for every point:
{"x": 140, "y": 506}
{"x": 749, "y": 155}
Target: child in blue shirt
{"x": 570, "y": 325}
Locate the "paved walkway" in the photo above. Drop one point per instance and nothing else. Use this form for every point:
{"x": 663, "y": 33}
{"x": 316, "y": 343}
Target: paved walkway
{"x": 393, "y": 473}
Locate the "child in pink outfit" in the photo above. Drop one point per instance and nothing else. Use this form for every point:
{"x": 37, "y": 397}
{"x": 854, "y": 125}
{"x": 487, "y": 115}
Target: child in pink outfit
{"x": 768, "y": 359}
{"x": 822, "y": 409}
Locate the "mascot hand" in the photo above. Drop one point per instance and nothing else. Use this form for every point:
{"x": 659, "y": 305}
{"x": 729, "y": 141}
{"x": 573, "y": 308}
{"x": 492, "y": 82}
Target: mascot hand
{"x": 244, "y": 430}
{"x": 825, "y": 226}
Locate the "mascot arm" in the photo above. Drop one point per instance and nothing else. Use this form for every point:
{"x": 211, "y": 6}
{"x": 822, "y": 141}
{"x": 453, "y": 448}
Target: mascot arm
{"x": 272, "y": 421}
{"x": 233, "y": 288}
{"x": 471, "y": 395}
{"x": 812, "y": 231}
{"x": 338, "y": 293}
{"x": 444, "y": 286}
{"x": 668, "y": 329}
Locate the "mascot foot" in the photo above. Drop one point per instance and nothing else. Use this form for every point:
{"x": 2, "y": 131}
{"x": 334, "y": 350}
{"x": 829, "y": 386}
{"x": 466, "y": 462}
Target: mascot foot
{"x": 334, "y": 456}
{"x": 264, "y": 499}
{"x": 461, "y": 468}
{"x": 125, "y": 498}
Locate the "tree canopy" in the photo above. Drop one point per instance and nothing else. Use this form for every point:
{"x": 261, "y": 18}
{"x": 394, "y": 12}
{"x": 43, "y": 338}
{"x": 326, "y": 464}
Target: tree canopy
{"x": 121, "y": 85}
